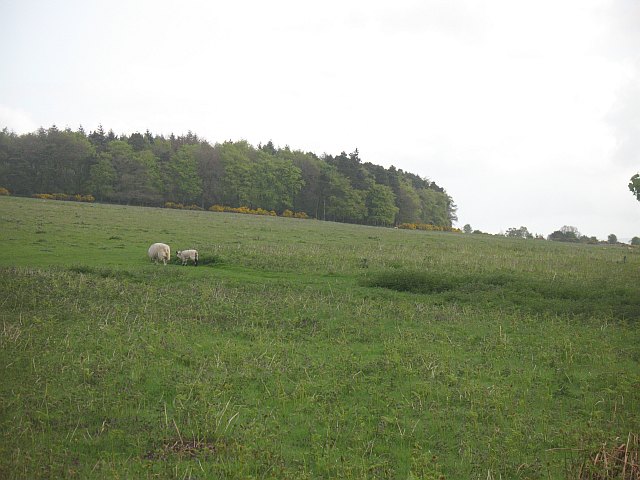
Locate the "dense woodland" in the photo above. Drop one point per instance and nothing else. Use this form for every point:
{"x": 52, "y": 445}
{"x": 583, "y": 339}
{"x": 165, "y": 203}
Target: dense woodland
{"x": 147, "y": 169}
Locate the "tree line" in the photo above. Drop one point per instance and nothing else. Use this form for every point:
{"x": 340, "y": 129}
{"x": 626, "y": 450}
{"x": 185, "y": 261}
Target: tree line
{"x": 150, "y": 170}
{"x": 567, "y": 233}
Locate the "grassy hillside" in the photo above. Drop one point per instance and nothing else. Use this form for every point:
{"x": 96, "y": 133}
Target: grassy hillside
{"x": 305, "y": 349}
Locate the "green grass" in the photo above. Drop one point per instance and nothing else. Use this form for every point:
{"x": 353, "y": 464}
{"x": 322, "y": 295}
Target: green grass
{"x": 305, "y": 349}
{"x": 520, "y": 293}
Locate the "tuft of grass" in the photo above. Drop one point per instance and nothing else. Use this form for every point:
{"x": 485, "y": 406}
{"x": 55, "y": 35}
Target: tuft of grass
{"x": 612, "y": 462}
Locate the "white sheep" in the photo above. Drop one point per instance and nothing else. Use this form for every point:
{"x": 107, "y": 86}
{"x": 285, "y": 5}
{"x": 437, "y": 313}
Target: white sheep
{"x": 186, "y": 255}
{"x": 160, "y": 251}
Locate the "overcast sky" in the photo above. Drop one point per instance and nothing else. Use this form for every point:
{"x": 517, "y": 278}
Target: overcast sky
{"x": 526, "y": 112}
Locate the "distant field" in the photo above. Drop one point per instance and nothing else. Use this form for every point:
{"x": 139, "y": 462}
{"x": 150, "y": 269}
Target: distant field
{"x": 306, "y": 349}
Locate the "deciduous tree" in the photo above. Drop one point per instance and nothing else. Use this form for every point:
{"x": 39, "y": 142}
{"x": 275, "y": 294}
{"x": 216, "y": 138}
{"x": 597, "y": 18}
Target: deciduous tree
{"x": 634, "y": 185}
{"x": 380, "y": 202}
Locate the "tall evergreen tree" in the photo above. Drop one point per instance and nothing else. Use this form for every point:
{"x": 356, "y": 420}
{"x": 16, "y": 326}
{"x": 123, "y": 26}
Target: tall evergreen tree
{"x": 98, "y": 139}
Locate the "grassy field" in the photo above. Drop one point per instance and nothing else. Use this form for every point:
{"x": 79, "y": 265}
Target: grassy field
{"x": 305, "y": 349}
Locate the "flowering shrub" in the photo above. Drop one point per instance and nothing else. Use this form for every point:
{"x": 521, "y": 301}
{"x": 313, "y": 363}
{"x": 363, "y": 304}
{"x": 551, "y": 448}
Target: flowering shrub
{"x": 407, "y": 226}
{"x": 257, "y": 211}
{"x": 4, "y": 191}
{"x": 63, "y": 196}
{"x": 289, "y": 214}
{"x": 180, "y": 206}
{"x": 428, "y": 227}
{"x": 260, "y": 211}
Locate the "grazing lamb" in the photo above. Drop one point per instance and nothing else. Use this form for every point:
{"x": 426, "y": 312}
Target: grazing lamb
{"x": 160, "y": 251}
{"x": 186, "y": 255}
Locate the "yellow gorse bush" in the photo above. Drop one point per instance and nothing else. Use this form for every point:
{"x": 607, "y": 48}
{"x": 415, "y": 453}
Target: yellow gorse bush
{"x": 245, "y": 210}
{"x": 428, "y": 227}
{"x": 4, "y": 191}
{"x": 289, "y": 214}
{"x": 258, "y": 211}
{"x": 63, "y": 196}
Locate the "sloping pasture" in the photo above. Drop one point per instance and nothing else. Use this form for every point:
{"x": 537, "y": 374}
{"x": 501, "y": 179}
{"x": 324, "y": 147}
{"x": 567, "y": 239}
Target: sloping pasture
{"x": 306, "y": 349}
